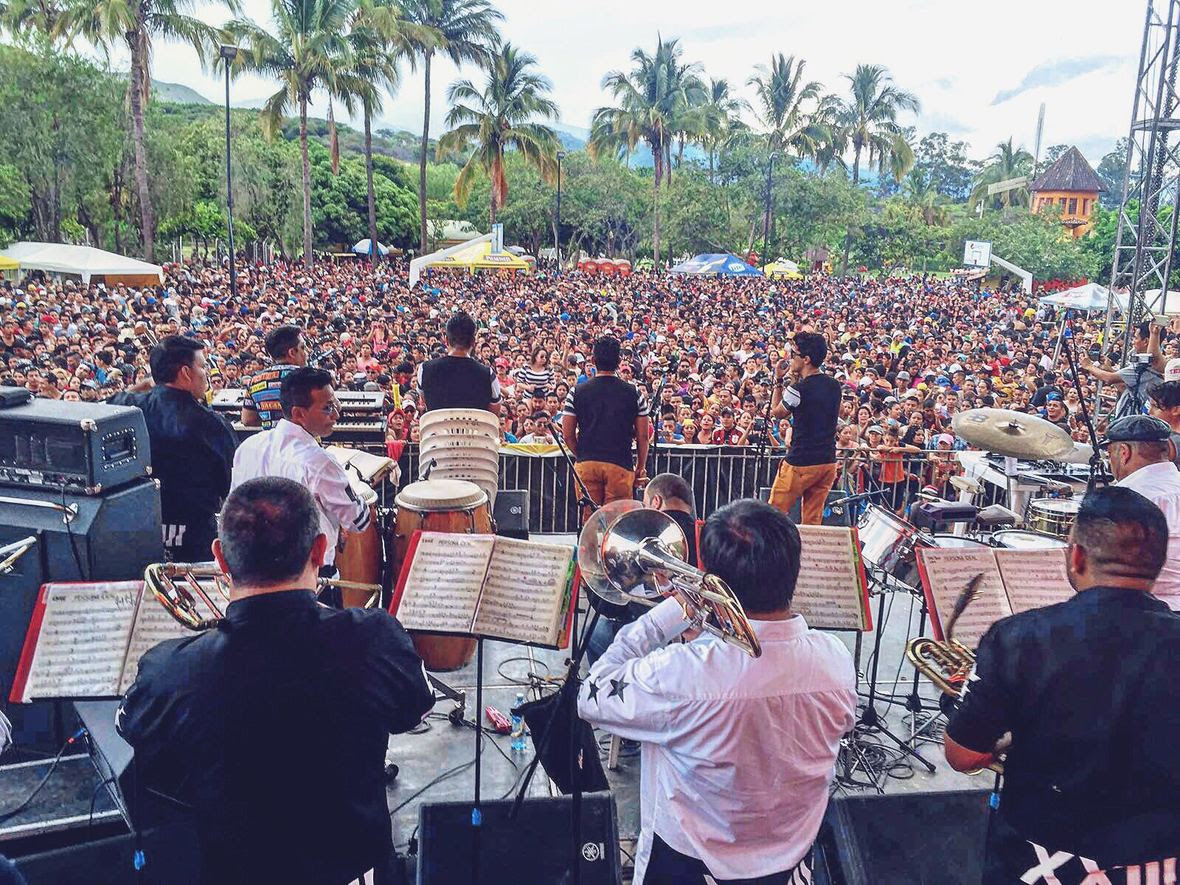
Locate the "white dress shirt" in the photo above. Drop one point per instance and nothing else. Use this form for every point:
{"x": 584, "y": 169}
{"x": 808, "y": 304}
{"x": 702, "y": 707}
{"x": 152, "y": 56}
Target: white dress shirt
{"x": 738, "y": 752}
{"x": 289, "y": 451}
{"x": 1160, "y": 484}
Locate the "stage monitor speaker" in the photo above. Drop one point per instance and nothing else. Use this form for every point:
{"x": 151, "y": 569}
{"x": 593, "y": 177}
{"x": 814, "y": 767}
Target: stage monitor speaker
{"x": 171, "y": 853}
{"x": 511, "y": 513}
{"x": 910, "y": 838}
{"x": 832, "y": 515}
{"x": 108, "y": 537}
{"x": 535, "y": 847}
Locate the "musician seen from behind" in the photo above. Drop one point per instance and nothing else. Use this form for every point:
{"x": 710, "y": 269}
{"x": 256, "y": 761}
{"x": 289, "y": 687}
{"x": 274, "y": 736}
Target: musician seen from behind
{"x": 812, "y": 400}
{"x": 262, "y": 406}
{"x": 273, "y": 726}
{"x": 292, "y": 449}
{"x": 1087, "y": 691}
{"x": 458, "y": 380}
{"x": 738, "y": 753}
{"x": 192, "y": 446}
{"x": 1140, "y": 450}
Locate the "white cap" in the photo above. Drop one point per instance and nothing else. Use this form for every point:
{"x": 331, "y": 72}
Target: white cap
{"x": 1172, "y": 370}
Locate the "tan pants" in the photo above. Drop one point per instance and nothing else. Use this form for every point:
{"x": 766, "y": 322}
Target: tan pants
{"x": 812, "y": 484}
{"x": 606, "y": 482}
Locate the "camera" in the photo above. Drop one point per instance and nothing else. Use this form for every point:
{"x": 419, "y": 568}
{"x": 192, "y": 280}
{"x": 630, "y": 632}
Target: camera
{"x": 1142, "y": 359}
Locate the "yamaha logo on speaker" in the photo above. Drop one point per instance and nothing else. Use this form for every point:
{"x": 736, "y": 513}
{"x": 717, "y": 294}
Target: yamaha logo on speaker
{"x": 593, "y": 851}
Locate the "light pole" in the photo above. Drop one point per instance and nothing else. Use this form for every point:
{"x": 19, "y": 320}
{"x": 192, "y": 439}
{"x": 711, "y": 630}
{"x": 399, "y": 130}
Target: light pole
{"x": 766, "y": 229}
{"x": 557, "y": 229}
{"x": 228, "y": 55}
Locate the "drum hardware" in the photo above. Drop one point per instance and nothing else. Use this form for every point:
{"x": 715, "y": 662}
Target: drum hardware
{"x": 14, "y": 551}
{"x": 179, "y": 585}
{"x": 996, "y": 515}
{"x": 1052, "y": 516}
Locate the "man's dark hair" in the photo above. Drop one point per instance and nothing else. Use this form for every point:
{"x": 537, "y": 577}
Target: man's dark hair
{"x": 267, "y": 526}
{"x": 461, "y": 331}
{"x": 1122, "y": 532}
{"x": 1165, "y": 395}
{"x": 672, "y": 486}
{"x": 297, "y": 387}
{"x": 280, "y": 340}
{"x": 755, "y": 549}
{"x": 813, "y": 345}
{"x": 606, "y": 354}
{"x": 171, "y": 355}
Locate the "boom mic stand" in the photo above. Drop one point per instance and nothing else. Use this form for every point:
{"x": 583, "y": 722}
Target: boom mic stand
{"x": 1096, "y": 472}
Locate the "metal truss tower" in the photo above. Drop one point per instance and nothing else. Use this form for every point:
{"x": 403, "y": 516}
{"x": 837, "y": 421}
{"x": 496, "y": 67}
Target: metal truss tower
{"x": 1143, "y": 244}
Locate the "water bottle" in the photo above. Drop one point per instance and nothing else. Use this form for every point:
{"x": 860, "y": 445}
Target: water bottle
{"x": 519, "y": 743}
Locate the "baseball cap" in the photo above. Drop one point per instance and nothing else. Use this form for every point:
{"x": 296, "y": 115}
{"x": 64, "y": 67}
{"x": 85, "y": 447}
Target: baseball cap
{"x": 1172, "y": 370}
{"x": 945, "y": 438}
{"x": 876, "y": 428}
{"x": 1137, "y": 428}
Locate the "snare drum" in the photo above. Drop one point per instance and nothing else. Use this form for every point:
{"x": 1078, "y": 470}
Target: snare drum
{"x": 888, "y": 543}
{"x": 1017, "y": 539}
{"x": 1053, "y": 516}
{"x": 360, "y": 560}
{"x": 439, "y": 505}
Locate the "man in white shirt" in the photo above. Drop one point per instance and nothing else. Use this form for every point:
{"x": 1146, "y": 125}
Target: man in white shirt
{"x": 1140, "y": 459}
{"x": 738, "y": 752}
{"x": 292, "y": 449}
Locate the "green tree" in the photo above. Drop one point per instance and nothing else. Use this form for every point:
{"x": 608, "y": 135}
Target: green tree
{"x": 307, "y": 49}
{"x": 461, "y": 30}
{"x": 1112, "y": 169}
{"x": 340, "y": 201}
{"x": 1037, "y": 243}
{"x": 502, "y": 116}
{"x": 790, "y": 110}
{"x": 717, "y": 120}
{"x": 1007, "y": 162}
{"x": 943, "y": 166}
{"x": 867, "y": 121}
{"x": 14, "y": 203}
{"x": 139, "y": 26}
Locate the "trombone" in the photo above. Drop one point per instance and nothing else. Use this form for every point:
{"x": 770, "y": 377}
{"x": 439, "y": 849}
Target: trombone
{"x": 637, "y": 555}
{"x": 196, "y": 593}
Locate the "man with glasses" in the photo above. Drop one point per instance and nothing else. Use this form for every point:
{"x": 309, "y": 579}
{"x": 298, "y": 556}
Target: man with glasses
{"x": 292, "y": 450}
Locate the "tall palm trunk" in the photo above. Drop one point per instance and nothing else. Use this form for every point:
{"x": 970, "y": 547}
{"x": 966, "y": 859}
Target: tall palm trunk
{"x": 848, "y": 233}
{"x": 371, "y": 194}
{"x": 658, "y": 156}
{"x": 422, "y": 157}
{"x": 147, "y": 217}
{"x": 307, "y": 257}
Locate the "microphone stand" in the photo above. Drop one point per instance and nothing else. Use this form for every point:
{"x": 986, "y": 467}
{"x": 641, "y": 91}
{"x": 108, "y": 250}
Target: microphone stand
{"x": 1096, "y": 470}
{"x": 764, "y": 440}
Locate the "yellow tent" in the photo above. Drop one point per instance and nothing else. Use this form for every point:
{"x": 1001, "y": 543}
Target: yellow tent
{"x": 783, "y": 269}
{"x": 479, "y": 256}
{"x": 7, "y": 263}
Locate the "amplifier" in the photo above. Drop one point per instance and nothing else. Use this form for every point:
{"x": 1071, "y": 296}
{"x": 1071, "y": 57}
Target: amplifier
{"x": 82, "y": 448}
{"x": 533, "y": 848}
{"x": 511, "y": 513}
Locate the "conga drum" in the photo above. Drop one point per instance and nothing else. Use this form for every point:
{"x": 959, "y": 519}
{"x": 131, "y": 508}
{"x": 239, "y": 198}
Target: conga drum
{"x": 360, "y": 560}
{"x": 439, "y": 505}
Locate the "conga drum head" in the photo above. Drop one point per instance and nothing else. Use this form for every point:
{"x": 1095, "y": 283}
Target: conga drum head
{"x": 441, "y": 494}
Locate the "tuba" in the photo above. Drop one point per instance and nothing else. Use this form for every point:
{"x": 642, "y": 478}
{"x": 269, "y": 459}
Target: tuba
{"x": 947, "y": 663}
{"x": 195, "y": 594}
{"x": 637, "y": 556}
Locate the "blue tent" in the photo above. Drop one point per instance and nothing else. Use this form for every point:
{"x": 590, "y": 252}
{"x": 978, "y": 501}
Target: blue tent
{"x": 724, "y": 264}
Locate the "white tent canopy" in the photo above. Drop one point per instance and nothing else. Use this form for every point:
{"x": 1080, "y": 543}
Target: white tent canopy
{"x": 82, "y": 261}
{"x": 1089, "y": 296}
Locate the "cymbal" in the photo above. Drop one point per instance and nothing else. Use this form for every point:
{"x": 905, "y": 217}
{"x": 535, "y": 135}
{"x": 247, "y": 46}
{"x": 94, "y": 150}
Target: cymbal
{"x": 1014, "y": 434}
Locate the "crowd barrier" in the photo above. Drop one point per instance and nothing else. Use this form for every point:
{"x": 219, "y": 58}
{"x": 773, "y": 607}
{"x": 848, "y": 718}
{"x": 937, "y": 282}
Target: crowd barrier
{"x": 717, "y": 475}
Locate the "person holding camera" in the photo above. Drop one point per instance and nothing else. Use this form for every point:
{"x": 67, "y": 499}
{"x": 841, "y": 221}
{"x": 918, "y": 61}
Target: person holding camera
{"x": 1139, "y": 376}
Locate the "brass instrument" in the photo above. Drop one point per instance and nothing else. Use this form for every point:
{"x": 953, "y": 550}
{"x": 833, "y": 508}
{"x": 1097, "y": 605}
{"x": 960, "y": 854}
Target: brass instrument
{"x": 195, "y": 593}
{"x": 637, "y": 556}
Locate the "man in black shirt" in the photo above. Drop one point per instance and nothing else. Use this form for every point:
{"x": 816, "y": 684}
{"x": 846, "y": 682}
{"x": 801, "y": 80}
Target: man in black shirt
{"x": 601, "y": 418}
{"x": 458, "y": 381}
{"x": 1087, "y": 691}
{"x": 192, "y": 446}
{"x": 812, "y": 399}
{"x": 273, "y": 726}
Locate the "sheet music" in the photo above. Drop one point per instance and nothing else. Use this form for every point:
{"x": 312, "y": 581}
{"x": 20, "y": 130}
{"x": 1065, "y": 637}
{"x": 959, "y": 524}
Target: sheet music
{"x": 444, "y": 581}
{"x": 1034, "y": 578}
{"x": 83, "y": 640}
{"x": 524, "y": 591}
{"x": 152, "y": 626}
{"x": 829, "y": 594}
{"x": 949, "y": 570}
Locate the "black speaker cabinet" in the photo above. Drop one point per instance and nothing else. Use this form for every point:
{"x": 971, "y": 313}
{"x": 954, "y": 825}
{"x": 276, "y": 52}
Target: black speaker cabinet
{"x": 107, "y": 537}
{"x": 511, "y": 513}
{"x": 903, "y": 839}
{"x": 533, "y": 848}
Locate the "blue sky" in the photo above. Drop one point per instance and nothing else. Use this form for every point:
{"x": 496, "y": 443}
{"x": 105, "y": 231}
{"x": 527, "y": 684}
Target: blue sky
{"x": 980, "y": 70}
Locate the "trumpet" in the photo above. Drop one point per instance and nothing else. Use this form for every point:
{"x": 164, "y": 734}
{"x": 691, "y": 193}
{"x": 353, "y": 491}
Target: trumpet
{"x": 196, "y": 593}
{"x": 637, "y": 556}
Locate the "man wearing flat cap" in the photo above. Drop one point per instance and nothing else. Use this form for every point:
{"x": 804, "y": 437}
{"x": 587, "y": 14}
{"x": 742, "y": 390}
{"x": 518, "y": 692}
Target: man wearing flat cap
{"x": 1141, "y": 460}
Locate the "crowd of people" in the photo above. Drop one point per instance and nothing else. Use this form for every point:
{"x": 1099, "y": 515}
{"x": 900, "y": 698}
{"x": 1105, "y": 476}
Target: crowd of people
{"x": 910, "y": 353}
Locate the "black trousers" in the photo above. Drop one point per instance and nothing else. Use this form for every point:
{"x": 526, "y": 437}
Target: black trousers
{"x": 667, "y": 866}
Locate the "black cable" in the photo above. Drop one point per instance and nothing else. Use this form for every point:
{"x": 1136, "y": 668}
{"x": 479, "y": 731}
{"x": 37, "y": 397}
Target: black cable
{"x": 93, "y": 802}
{"x": 11, "y": 813}
{"x": 451, "y": 772}
{"x": 67, "y": 518}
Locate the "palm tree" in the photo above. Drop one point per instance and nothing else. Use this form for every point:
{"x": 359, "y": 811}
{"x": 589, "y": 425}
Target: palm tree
{"x": 717, "y": 120}
{"x": 1007, "y": 162}
{"x": 106, "y": 23}
{"x": 649, "y": 100}
{"x": 924, "y": 197}
{"x": 502, "y": 116}
{"x": 461, "y": 30}
{"x": 787, "y": 107}
{"x": 868, "y": 120}
{"x": 26, "y": 18}
{"x": 308, "y": 49}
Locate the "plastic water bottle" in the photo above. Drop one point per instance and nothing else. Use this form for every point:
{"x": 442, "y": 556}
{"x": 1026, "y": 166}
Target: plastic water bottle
{"x": 519, "y": 742}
